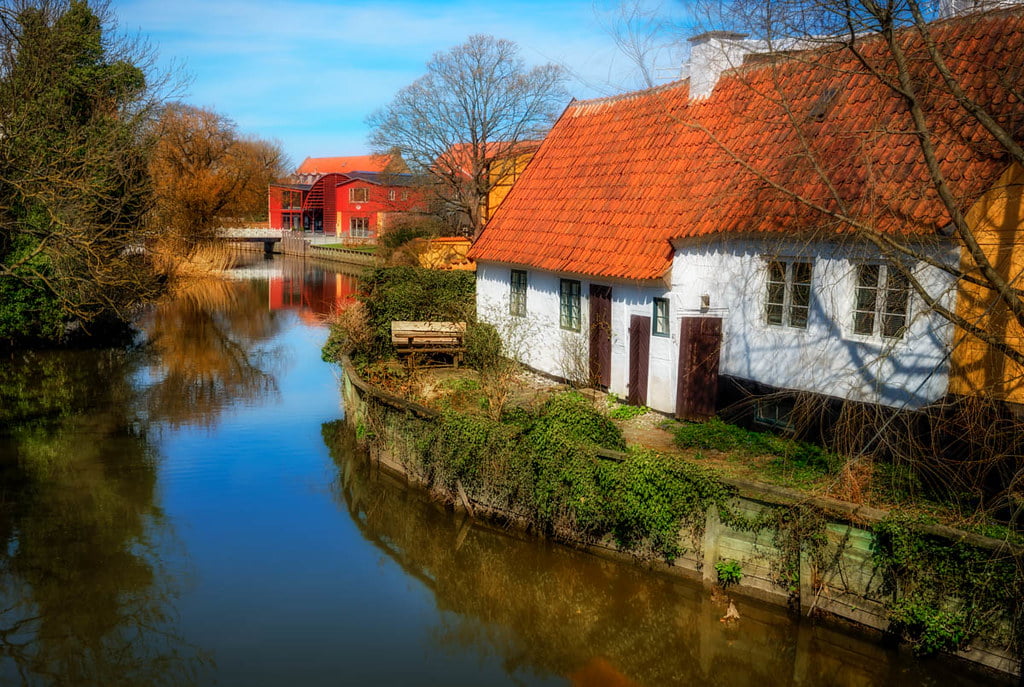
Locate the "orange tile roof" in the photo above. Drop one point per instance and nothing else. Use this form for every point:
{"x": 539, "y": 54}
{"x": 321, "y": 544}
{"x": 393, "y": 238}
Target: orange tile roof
{"x": 340, "y": 165}
{"x": 618, "y": 178}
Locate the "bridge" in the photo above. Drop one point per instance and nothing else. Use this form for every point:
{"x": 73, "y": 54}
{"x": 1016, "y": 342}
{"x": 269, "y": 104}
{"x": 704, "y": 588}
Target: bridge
{"x": 253, "y": 235}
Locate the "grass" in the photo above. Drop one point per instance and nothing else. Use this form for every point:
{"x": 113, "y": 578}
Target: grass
{"x": 362, "y": 248}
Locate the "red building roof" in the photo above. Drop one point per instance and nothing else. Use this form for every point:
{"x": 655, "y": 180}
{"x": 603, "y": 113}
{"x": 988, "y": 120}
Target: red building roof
{"x": 617, "y": 178}
{"x": 340, "y": 165}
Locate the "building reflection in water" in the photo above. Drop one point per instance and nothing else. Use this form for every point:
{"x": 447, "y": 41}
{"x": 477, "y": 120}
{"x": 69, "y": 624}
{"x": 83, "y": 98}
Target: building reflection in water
{"x": 314, "y": 293}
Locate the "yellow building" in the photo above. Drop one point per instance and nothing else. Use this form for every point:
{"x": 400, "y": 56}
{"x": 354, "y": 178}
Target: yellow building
{"x": 977, "y": 368}
{"x": 503, "y": 174}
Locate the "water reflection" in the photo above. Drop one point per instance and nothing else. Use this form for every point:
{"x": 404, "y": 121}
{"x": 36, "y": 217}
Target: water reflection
{"x": 210, "y": 349}
{"x": 83, "y": 596}
{"x": 314, "y": 292}
{"x": 550, "y": 611}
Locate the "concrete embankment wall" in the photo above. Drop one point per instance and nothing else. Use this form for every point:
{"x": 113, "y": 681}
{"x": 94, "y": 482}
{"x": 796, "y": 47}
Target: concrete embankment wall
{"x": 297, "y": 245}
{"x": 849, "y": 587}
{"x": 302, "y": 247}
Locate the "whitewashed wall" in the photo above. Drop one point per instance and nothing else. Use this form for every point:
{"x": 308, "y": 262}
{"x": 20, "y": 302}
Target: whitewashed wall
{"x": 541, "y": 343}
{"x": 825, "y": 358}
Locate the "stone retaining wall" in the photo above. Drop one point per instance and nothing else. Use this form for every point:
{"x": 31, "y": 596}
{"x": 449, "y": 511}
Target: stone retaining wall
{"x": 850, "y": 590}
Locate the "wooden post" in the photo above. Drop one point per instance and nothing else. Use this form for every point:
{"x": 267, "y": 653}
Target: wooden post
{"x": 712, "y": 532}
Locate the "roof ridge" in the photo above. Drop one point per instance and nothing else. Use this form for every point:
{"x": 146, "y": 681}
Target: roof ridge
{"x": 628, "y": 95}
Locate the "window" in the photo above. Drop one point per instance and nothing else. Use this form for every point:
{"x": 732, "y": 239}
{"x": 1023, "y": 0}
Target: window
{"x": 358, "y": 195}
{"x": 775, "y": 412}
{"x": 789, "y": 293}
{"x": 359, "y": 227}
{"x": 880, "y": 302}
{"x": 391, "y": 194}
{"x": 569, "y": 305}
{"x": 517, "y": 297}
{"x": 405, "y": 195}
{"x": 661, "y": 317}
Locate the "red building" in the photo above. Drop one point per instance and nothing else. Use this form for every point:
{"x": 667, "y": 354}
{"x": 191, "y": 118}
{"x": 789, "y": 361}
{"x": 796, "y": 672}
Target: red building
{"x": 368, "y": 203}
{"x": 343, "y": 201}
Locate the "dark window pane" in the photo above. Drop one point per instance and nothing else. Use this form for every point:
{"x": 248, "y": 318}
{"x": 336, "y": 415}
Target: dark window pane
{"x": 801, "y": 273}
{"x": 801, "y": 295}
{"x": 661, "y": 316}
{"x": 774, "y": 313}
{"x": 867, "y": 275}
{"x": 864, "y": 322}
{"x": 798, "y": 317}
{"x": 865, "y": 299}
{"x": 893, "y": 325}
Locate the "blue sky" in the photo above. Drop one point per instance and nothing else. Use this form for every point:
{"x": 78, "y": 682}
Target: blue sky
{"x": 308, "y": 72}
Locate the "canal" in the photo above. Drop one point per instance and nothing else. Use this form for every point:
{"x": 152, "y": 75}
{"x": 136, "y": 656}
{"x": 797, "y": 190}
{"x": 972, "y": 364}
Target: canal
{"x": 191, "y": 511}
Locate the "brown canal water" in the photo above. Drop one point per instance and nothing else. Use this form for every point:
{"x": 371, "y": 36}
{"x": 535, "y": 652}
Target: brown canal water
{"x": 192, "y": 512}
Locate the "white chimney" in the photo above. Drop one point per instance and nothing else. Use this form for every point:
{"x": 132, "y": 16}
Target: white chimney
{"x": 713, "y": 52}
{"x": 956, "y": 8}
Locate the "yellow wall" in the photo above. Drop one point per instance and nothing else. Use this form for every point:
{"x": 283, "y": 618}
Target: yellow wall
{"x": 998, "y": 222}
{"x": 503, "y": 174}
{"x": 443, "y": 253}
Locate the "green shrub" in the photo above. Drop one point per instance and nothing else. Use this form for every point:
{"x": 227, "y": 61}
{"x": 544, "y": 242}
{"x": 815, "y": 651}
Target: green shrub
{"x": 653, "y": 497}
{"x": 626, "y": 412}
{"x": 483, "y": 346}
{"x": 543, "y": 466}
{"x": 928, "y": 629}
{"x": 413, "y": 293}
{"x": 572, "y": 416}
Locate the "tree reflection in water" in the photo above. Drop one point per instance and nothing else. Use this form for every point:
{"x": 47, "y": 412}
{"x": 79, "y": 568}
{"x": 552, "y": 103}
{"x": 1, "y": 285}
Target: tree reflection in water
{"x": 549, "y": 610}
{"x": 83, "y": 596}
{"x": 207, "y": 345}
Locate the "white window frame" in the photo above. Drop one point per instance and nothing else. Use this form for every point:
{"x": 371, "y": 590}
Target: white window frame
{"x": 518, "y": 287}
{"x": 666, "y": 319}
{"x": 876, "y": 308}
{"x": 570, "y": 304}
{"x": 359, "y": 227}
{"x": 786, "y": 299}
{"x": 358, "y": 195}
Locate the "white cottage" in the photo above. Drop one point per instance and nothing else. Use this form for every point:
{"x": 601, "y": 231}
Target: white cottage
{"x": 780, "y": 233}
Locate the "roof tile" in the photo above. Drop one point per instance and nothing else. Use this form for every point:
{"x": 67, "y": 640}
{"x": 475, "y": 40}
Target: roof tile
{"x": 617, "y": 178}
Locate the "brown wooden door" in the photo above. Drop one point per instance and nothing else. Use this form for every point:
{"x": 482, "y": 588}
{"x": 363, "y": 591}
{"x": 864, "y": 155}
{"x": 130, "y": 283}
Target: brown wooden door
{"x": 639, "y": 357}
{"x": 700, "y": 340}
{"x": 600, "y": 335}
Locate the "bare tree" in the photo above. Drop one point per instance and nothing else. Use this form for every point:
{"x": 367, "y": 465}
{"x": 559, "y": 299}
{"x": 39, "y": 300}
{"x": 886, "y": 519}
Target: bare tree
{"x": 900, "y": 48}
{"x": 853, "y": 121}
{"x": 205, "y": 175}
{"x": 477, "y": 102}
{"x": 948, "y": 93}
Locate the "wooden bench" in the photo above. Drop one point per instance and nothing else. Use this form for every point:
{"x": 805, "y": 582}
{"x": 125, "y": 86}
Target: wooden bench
{"x": 411, "y": 338}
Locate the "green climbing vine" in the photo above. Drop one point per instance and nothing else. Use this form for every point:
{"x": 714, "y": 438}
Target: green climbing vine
{"x": 544, "y": 466}
{"x": 942, "y": 595}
